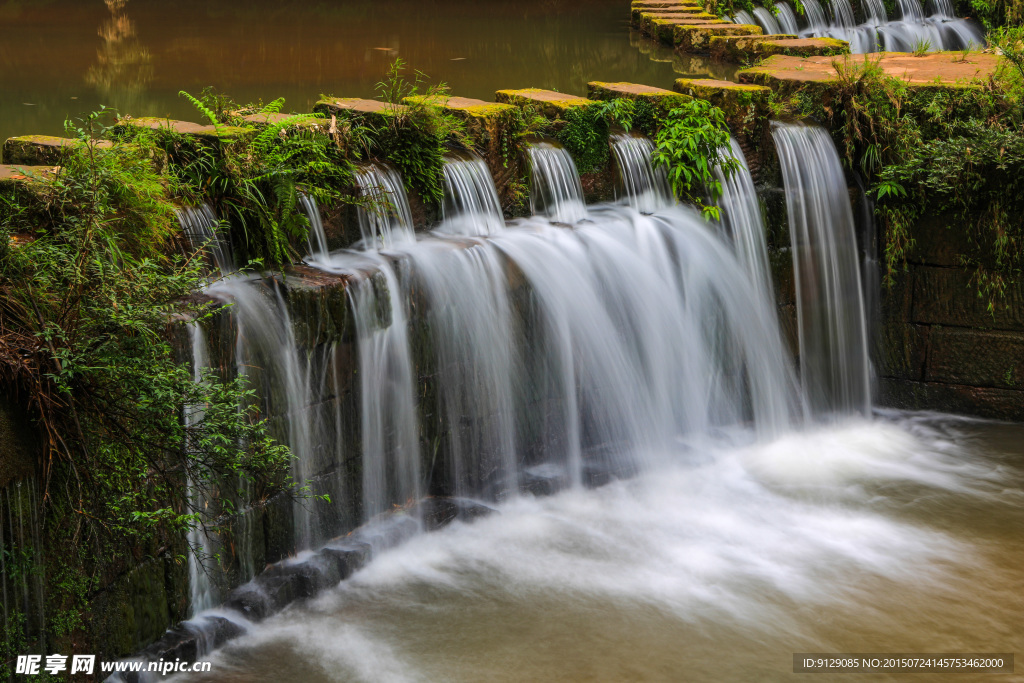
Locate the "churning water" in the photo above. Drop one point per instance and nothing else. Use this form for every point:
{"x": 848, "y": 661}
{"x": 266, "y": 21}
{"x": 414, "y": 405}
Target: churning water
{"x": 898, "y": 535}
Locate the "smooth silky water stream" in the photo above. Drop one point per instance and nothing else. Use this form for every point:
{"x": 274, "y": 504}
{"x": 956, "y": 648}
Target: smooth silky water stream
{"x": 706, "y": 527}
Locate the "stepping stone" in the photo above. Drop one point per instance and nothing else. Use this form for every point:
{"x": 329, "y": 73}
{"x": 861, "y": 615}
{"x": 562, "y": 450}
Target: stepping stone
{"x": 697, "y": 38}
{"x": 744, "y": 105}
{"x": 14, "y": 174}
{"x": 936, "y": 69}
{"x": 663, "y": 99}
{"x": 551, "y": 104}
{"x": 749, "y": 48}
{"x": 41, "y": 150}
{"x": 464, "y": 107}
{"x": 206, "y": 133}
{"x": 348, "y": 106}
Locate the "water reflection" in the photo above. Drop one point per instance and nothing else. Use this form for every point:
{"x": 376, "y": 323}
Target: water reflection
{"x": 264, "y": 49}
{"x": 124, "y": 67}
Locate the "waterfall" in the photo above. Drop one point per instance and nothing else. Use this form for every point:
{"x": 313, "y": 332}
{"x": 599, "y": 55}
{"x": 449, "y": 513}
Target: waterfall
{"x": 201, "y": 229}
{"x": 471, "y": 204}
{"x": 842, "y": 14}
{"x": 742, "y": 220}
{"x": 875, "y": 12}
{"x": 202, "y": 592}
{"x": 316, "y": 240}
{"x": 743, "y": 17}
{"x": 22, "y": 563}
{"x": 268, "y": 353}
{"x": 942, "y": 30}
{"x": 387, "y": 219}
{"x": 834, "y": 368}
{"x": 555, "y": 189}
{"x": 390, "y": 437}
{"x": 473, "y": 331}
{"x": 787, "y": 19}
{"x": 816, "y": 19}
{"x": 766, "y": 20}
{"x": 644, "y": 187}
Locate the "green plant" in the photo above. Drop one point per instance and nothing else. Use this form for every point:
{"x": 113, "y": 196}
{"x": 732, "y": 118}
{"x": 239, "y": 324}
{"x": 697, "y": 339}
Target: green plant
{"x": 254, "y": 179}
{"x": 921, "y": 47}
{"x": 691, "y": 142}
{"x": 84, "y": 314}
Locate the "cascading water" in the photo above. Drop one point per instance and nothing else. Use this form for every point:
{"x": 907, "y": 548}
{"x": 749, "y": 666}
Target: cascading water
{"x": 644, "y": 187}
{"x": 834, "y": 366}
{"x": 268, "y": 354}
{"x": 941, "y": 30}
{"x": 842, "y": 14}
{"x": 316, "y": 241}
{"x": 390, "y": 434}
{"x": 742, "y": 220}
{"x": 387, "y": 220}
{"x": 471, "y": 204}
{"x": 787, "y": 19}
{"x": 555, "y": 189}
{"x": 766, "y": 20}
{"x": 744, "y": 17}
{"x": 817, "y": 20}
{"x": 22, "y": 575}
{"x": 201, "y": 228}
{"x": 875, "y": 12}
{"x": 203, "y": 594}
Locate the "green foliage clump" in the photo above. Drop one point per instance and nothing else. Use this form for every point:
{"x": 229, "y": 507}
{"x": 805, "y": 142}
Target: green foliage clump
{"x": 253, "y": 177}
{"x": 415, "y": 134}
{"x": 85, "y": 307}
{"x": 689, "y": 145}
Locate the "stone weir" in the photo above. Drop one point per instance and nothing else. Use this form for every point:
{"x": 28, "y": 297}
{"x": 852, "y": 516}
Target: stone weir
{"x": 940, "y": 349}
{"x": 685, "y": 26}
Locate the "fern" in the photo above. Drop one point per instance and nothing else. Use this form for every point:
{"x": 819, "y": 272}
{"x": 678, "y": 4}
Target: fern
{"x": 274, "y": 107}
{"x": 202, "y": 108}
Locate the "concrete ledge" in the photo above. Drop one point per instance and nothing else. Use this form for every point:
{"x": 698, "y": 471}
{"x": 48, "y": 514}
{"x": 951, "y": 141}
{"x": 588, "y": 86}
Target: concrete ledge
{"x": 41, "y": 150}
{"x": 14, "y": 175}
{"x": 550, "y": 103}
{"x": 750, "y": 48}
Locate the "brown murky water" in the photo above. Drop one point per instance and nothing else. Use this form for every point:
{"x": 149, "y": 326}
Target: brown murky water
{"x": 59, "y": 58}
{"x": 899, "y": 535}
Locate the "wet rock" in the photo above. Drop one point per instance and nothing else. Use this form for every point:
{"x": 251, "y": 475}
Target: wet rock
{"x": 663, "y": 100}
{"x": 347, "y": 559}
{"x": 250, "y": 601}
{"x": 549, "y": 103}
{"x": 544, "y": 480}
{"x": 440, "y": 512}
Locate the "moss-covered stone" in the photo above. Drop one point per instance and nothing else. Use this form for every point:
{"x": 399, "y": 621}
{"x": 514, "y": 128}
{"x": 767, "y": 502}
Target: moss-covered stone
{"x": 220, "y": 134}
{"x": 697, "y": 38}
{"x": 40, "y": 150}
{"x": 548, "y": 102}
{"x": 739, "y": 48}
{"x": 661, "y": 27}
{"x": 132, "y": 612}
{"x": 663, "y": 100}
{"x": 493, "y": 127}
{"x": 374, "y": 111}
{"x": 787, "y": 74}
{"x": 745, "y": 106}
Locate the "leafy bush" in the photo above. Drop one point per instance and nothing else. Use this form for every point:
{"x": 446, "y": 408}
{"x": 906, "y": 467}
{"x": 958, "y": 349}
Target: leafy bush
{"x": 692, "y": 139}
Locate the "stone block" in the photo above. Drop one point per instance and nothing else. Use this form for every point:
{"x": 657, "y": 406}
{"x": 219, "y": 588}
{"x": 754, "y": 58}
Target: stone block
{"x": 218, "y": 135}
{"x": 745, "y": 106}
{"x": 976, "y": 358}
{"x": 985, "y": 402}
{"x": 374, "y": 111}
{"x": 548, "y": 102}
{"x": 697, "y": 38}
{"x": 949, "y": 296}
{"x": 41, "y": 150}
{"x": 663, "y": 100}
